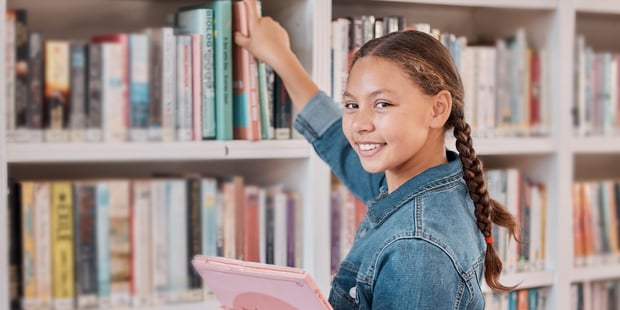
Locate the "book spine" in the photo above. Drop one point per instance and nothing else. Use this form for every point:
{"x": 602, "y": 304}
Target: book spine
{"x": 85, "y": 244}
{"x": 16, "y": 288}
{"x": 222, "y": 15}
{"x": 169, "y": 89}
{"x": 209, "y": 216}
{"x": 21, "y": 69}
{"x": 269, "y": 228}
{"x": 159, "y": 232}
{"x": 42, "y": 229}
{"x": 208, "y": 80}
{"x": 103, "y": 243}
{"x": 9, "y": 64}
{"x": 194, "y": 237}
{"x": 78, "y": 93}
{"x": 28, "y": 246}
{"x": 282, "y": 111}
{"x": 141, "y": 243}
{"x": 184, "y": 88}
{"x": 155, "y": 83}
{"x": 139, "y": 86}
{"x": 177, "y": 239}
{"x": 263, "y": 93}
{"x": 246, "y": 122}
{"x": 63, "y": 285}
{"x": 251, "y": 229}
{"x": 114, "y": 127}
{"x": 94, "y": 114}
{"x": 196, "y": 64}
{"x": 57, "y": 80}
{"x": 120, "y": 243}
{"x": 35, "y": 99}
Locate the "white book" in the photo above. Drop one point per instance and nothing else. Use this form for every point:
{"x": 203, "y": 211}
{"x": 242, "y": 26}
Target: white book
{"x": 141, "y": 243}
{"x": 103, "y": 243}
{"x": 139, "y": 98}
{"x": 280, "y": 235}
{"x": 184, "y": 88}
{"x": 169, "y": 89}
{"x": 262, "y": 225}
{"x": 159, "y": 249}
{"x": 43, "y": 260}
{"x": 120, "y": 243}
{"x": 114, "y": 127}
{"x": 514, "y": 185}
{"x": 176, "y": 203}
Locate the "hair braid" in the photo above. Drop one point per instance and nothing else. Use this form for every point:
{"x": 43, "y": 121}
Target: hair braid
{"x": 487, "y": 210}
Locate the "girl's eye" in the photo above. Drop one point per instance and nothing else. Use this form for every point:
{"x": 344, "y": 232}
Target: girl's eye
{"x": 382, "y": 104}
{"x": 350, "y": 105}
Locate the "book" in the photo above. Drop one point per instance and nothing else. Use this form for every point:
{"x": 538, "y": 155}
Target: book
{"x": 249, "y": 285}
{"x": 222, "y": 57}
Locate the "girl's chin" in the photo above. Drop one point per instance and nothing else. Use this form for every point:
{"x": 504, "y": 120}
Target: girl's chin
{"x": 372, "y": 168}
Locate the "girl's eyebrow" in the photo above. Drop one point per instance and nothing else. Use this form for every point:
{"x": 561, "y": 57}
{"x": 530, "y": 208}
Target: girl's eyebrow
{"x": 371, "y": 95}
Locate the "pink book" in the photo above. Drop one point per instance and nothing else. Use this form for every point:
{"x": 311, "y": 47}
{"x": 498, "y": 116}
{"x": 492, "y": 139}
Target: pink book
{"x": 247, "y": 285}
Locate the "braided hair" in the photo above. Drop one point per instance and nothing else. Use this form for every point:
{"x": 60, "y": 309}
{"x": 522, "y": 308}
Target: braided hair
{"x": 429, "y": 64}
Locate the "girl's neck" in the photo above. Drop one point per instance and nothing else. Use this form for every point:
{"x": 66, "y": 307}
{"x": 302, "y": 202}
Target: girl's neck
{"x": 431, "y": 155}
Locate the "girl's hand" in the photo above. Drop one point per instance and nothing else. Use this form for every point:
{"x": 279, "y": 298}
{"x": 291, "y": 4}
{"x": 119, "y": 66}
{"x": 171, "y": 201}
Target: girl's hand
{"x": 267, "y": 40}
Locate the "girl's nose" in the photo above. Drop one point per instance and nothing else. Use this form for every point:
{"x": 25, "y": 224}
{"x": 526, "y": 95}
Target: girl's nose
{"x": 362, "y": 121}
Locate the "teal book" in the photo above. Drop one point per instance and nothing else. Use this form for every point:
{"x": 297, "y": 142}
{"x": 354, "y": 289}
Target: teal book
{"x": 200, "y": 21}
{"x": 222, "y": 47}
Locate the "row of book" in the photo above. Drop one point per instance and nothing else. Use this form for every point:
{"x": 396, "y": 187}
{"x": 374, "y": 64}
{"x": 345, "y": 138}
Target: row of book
{"x": 184, "y": 80}
{"x": 596, "y": 222}
{"x": 506, "y": 81}
{"x": 522, "y": 299}
{"x": 596, "y": 110}
{"x": 595, "y": 295}
{"x": 129, "y": 242}
{"x": 526, "y": 199}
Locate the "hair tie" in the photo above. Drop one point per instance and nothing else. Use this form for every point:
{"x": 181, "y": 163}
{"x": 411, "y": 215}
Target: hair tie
{"x": 489, "y": 240}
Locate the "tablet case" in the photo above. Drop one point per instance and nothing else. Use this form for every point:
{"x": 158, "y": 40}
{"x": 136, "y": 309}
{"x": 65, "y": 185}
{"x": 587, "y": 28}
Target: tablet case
{"x": 241, "y": 285}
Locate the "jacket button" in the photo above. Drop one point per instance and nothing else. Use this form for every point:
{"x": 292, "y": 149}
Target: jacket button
{"x": 353, "y": 292}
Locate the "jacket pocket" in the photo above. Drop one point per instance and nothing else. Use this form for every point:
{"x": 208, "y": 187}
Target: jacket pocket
{"x": 344, "y": 288}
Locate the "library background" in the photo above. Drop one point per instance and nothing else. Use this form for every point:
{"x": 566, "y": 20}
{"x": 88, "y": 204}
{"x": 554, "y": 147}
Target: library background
{"x": 123, "y": 120}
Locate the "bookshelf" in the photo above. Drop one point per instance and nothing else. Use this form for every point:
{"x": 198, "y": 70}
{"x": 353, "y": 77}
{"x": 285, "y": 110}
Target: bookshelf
{"x": 556, "y": 160}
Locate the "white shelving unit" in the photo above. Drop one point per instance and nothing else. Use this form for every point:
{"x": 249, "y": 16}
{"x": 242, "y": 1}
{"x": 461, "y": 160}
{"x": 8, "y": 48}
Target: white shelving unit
{"x": 557, "y": 160}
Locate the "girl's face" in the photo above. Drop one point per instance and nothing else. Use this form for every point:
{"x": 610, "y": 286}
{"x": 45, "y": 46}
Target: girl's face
{"x": 390, "y": 123}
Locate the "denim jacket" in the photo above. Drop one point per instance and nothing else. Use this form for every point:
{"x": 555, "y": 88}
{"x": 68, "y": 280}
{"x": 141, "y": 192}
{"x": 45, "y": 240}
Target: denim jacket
{"x": 418, "y": 247}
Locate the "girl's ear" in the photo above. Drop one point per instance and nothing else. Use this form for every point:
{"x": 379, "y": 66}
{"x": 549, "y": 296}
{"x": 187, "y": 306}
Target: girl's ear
{"x": 442, "y": 106}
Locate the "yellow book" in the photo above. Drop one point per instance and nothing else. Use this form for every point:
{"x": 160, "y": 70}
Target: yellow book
{"x": 28, "y": 245}
{"x": 63, "y": 279}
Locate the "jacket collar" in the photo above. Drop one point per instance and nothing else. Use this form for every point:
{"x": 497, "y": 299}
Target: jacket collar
{"x": 380, "y": 208}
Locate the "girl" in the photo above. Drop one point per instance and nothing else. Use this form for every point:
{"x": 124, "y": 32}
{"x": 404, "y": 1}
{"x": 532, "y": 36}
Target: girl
{"x": 426, "y": 240}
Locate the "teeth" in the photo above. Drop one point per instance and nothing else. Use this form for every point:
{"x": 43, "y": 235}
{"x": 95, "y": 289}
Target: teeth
{"x": 368, "y": 147}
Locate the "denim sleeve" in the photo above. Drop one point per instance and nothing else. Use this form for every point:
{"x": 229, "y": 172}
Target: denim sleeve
{"x": 320, "y": 122}
{"x": 415, "y": 274}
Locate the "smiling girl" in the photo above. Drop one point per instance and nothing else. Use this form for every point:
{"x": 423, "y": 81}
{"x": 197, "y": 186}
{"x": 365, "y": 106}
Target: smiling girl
{"x": 426, "y": 241}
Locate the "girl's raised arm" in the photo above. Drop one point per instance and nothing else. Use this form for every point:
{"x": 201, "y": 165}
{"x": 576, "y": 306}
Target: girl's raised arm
{"x": 269, "y": 42}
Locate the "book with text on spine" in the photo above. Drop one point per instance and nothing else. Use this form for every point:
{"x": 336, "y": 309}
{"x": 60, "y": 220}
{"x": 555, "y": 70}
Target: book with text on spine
{"x": 239, "y": 284}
